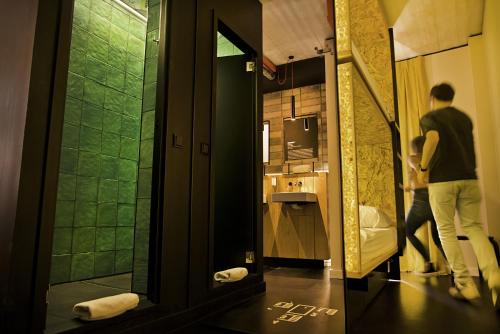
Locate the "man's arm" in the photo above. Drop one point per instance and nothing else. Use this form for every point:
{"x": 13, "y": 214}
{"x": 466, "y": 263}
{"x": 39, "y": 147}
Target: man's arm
{"x": 430, "y": 145}
{"x": 431, "y": 142}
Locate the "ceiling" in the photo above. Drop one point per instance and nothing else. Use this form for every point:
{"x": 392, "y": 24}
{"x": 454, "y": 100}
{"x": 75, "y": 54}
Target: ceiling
{"x": 294, "y": 27}
{"x": 427, "y": 26}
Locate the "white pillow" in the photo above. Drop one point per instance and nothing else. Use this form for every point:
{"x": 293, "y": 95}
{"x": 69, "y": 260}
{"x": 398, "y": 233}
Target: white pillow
{"x": 371, "y": 217}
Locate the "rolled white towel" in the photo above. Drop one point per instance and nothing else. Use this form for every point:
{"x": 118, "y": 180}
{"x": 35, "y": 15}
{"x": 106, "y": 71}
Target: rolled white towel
{"x": 107, "y": 307}
{"x": 231, "y": 275}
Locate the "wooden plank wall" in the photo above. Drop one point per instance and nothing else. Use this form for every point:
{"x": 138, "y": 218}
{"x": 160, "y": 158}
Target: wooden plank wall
{"x": 309, "y": 100}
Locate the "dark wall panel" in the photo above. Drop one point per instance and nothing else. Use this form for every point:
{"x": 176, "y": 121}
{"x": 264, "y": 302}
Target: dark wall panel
{"x": 306, "y": 72}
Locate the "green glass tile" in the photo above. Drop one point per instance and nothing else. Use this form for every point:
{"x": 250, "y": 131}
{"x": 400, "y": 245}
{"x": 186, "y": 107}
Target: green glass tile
{"x": 94, "y": 92}
{"x": 124, "y": 238}
{"x": 118, "y": 37}
{"x": 95, "y": 70}
{"x": 98, "y": 48}
{"x": 72, "y": 110}
{"x": 108, "y": 191}
{"x": 81, "y": 15}
{"x": 69, "y": 160}
{"x": 150, "y": 70}
{"x": 85, "y": 3}
{"x": 112, "y": 122}
{"x": 65, "y": 211}
{"x": 148, "y": 125}
{"x": 71, "y": 136}
{"x": 85, "y": 213}
{"x": 126, "y": 192}
{"x": 110, "y": 143}
{"x": 129, "y": 148}
{"x": 82, "y": 266}
{"x": 109, "y": 167}
{"x": 120, "y": 18}
{"x": 77, "y": 62}
{"x": 66, "y": 187}
{"x": 126, "y": 215}
{"x": 130, "y": 127}
{"x": 62, "y": 241}
{"x": 116, "y": 79}
{"x": 143, "y": 213}
{"x": 141, "y": 243}
{"x": 89, "y": 164}
{"x": 102, "y": 8}
{"x": 128, "y": 170}
{"x": 104, "y": 263}
{"x": 149, "y": 101}
{"x": 75, "y": 85}
{"x": 140, "y": 278}
{"x": 86, "y": 188}
{"x": 146, "y": 154}
{"x": 151, "y": 45}
{"x": 123, "y": 261}
{"x": 99, "y": 26}
{"x": 117, "y": 58}
{"x": 92, "y": 116}
{"x": 135, "y": 66}
{"x": 133, "y": 107}
{"x": 114, "y": 100}
{"x": 106, "y": 215}
{"x": 83, "y": 239}
{"x": 144, "y": 186}
{"x": 133, "y": 86}
{"x": 60, "y": 268}
{"x": 90, "y": 139}
{"x": 153, "y": 17}
{"x": 136, "y": 46}
{"x": 105, "y": 239}
{"x": 137, "y": 28}
{"x": 79, "y": 38}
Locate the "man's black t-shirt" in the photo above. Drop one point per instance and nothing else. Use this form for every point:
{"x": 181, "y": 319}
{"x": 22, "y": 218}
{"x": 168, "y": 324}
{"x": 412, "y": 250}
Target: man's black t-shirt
{"x": 454, "y": 158}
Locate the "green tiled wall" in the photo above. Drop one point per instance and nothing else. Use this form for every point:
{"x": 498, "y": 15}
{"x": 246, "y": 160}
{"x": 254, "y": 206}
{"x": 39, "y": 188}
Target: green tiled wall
{"x": 96, "y": 199}
{"x": 225, "y": 47}
{"x": 141, "y": 250}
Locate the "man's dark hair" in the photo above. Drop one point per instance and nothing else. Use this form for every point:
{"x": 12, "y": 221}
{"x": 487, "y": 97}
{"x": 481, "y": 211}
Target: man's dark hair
{"x": 443, "y": 92}
{"x": 417, "y": 144}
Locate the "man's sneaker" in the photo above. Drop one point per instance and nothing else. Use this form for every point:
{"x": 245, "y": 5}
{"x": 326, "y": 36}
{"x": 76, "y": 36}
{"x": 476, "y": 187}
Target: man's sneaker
{"x": 466, "y": 292}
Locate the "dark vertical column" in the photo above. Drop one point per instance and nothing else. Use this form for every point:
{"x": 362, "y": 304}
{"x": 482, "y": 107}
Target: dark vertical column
{"x": 27, "y": 72}
{"x": 398, "y": 168}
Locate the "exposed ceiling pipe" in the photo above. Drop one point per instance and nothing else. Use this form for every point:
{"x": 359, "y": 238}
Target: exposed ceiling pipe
{"x": 269, "y": 69}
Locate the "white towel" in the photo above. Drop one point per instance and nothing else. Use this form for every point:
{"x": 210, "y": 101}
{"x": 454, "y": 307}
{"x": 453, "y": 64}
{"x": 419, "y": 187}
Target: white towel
{"x": 231, "y": 275}
{"x": 107, "y": 307}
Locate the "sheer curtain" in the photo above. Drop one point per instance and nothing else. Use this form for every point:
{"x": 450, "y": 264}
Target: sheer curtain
{"x": 413, "y": 103}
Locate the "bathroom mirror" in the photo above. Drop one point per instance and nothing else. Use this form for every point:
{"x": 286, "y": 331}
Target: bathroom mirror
{"x": 300, "y": 138}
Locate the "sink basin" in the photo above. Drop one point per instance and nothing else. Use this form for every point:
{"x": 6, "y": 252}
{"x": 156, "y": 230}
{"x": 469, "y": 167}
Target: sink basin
{"x": 294, "y": 197}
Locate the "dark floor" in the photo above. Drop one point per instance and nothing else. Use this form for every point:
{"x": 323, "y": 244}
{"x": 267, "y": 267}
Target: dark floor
{"x": 414, "y": 305}
{"x": 62, "y": 298}
{"x": 417, "y": 305}
{"x": 296, "y": 301}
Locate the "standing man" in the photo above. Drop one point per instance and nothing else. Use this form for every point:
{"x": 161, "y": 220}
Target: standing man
{"x": 449, "y": 163}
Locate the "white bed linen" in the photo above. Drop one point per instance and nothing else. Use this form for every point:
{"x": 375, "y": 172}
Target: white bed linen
{"x": 375, "y": 242}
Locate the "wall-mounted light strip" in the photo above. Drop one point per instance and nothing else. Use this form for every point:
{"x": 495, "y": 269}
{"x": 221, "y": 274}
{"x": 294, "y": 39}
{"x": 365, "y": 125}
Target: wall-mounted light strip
{"x": 131, "y": 10}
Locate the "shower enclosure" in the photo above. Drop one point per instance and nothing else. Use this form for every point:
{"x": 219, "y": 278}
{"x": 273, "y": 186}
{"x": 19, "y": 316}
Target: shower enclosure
{"x": 103, "y": 211}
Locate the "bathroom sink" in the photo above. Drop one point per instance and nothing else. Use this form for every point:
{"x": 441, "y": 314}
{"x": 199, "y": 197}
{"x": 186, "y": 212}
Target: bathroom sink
{"x": 294, "y": 197}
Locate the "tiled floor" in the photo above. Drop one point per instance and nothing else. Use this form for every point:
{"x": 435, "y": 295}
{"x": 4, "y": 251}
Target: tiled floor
{"x": 63, "y": 297}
